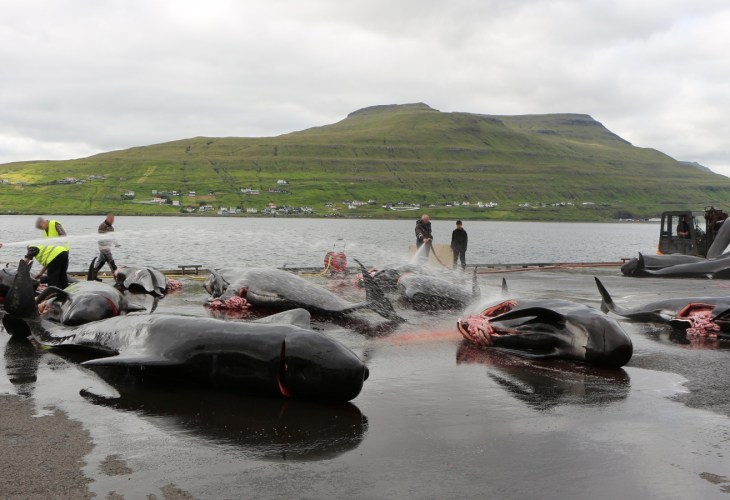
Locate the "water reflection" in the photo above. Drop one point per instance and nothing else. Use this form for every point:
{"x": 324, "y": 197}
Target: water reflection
{"x": 264, "y": 428}
{"x": 667, "y": 336}
{"x": 21, "y": 364}
{"x": 544, "y": 385}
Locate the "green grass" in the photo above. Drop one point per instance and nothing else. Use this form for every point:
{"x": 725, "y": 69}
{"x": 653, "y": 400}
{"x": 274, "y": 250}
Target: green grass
{"x": 408, "y": 153}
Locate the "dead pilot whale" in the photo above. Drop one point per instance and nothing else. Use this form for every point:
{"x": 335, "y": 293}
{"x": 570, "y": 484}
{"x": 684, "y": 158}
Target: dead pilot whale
{"x": 548, "y": 328}
{"x": 278, "y": 355}
{"x": 429, "y": 292}
{"x": 697, "y": 316}
{"x": 149, "y": 279}
{"x": 80, "y": 302}
{"x": 274, "y": 289}
{"x": 677, "y": 266}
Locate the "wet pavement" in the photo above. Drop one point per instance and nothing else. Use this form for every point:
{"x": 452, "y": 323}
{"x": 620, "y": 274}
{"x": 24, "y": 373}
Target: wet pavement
{"x": 438, "y": 418}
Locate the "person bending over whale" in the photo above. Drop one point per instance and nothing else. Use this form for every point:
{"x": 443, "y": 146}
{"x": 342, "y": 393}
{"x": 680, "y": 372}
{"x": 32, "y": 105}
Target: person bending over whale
{"x": 53, "y": 258}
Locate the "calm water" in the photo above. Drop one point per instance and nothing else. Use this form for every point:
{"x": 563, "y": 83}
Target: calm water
{"x": 166, "y": 242}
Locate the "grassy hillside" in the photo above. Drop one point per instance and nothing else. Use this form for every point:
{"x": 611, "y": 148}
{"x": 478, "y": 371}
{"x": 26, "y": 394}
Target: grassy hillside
{"x": 402, "y": 153}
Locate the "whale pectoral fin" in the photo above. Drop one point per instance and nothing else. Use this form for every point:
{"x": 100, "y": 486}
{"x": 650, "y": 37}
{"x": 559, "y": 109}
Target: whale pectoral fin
{"x": 53, "y": 291}
{"x": 720, "y": 310}
{"x": 297, "y": 317}
{"x": 134, "y": 308}
{"x": 131, "y": 360}
{"x": 538, "y": 312}
{"x": 259, "y": 298}
{"x": 680, "y": 324}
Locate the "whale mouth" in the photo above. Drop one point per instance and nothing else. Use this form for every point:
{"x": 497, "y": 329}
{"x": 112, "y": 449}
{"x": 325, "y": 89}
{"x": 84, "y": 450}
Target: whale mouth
{"x": 536, "y": 329}
{"x": 283, "y": 368}
{"x": 479, "y": 329}
{"x": 697, "y": 318}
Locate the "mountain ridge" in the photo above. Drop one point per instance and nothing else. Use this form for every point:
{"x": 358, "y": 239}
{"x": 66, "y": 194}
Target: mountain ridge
{"x": 408, "y": 153}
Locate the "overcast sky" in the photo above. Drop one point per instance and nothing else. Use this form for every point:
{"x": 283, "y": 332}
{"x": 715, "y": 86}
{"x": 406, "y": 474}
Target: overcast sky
{"x": 78, "y": 77}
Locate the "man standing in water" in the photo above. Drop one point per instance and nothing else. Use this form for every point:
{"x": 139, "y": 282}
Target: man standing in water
{"x": 459, "y": 240}
{"x": 105, "y": 246}
{"x": 423, "y": 235}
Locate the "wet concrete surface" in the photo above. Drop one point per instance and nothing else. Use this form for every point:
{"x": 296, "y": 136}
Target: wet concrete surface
{"x": 437, "y": 418}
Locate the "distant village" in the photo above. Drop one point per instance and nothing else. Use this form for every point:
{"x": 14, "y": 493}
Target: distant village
{"x": 175, "y": 199}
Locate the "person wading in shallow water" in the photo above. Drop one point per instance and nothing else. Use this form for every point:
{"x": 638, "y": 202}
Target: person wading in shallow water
{"x": 423, "y": 235}
{"x": 459, "y": 240}
{"x": 105, "y": 246}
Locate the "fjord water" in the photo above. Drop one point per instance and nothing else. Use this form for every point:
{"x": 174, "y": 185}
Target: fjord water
{"x": 437, "y": 418}
{"x": 165, "y": 242}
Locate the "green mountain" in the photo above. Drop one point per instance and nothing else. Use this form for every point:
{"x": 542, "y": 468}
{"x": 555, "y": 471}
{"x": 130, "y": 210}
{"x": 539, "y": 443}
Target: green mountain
{"x": 556, "y": 166}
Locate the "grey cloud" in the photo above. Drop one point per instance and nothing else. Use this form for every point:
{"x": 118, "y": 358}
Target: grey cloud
{"x": 82, "y": 77}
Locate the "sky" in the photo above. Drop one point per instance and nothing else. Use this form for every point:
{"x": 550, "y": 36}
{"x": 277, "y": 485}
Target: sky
{"x": 79, "y": 77}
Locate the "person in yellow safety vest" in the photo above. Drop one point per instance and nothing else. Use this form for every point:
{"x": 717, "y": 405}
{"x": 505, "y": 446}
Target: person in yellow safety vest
{"x": 53, "y": 258}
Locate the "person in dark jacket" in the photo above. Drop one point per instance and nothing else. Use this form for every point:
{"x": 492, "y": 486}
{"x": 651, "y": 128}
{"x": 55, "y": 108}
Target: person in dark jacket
{"x": 459, "y": 240}
{"x": 683, "y": 228}
{"x": 423, "y": 235}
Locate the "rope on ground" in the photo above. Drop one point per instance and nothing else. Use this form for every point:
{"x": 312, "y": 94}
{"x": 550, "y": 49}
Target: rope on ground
{"x": 324, "y": 271}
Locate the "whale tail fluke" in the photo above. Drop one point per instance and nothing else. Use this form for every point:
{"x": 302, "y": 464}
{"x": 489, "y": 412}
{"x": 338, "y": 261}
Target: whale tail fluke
{"x": 20, "y": 300}
{"x": 375, "y": 298}
{"x": 215, "y": 285}
{"x": 20, "y": 305}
